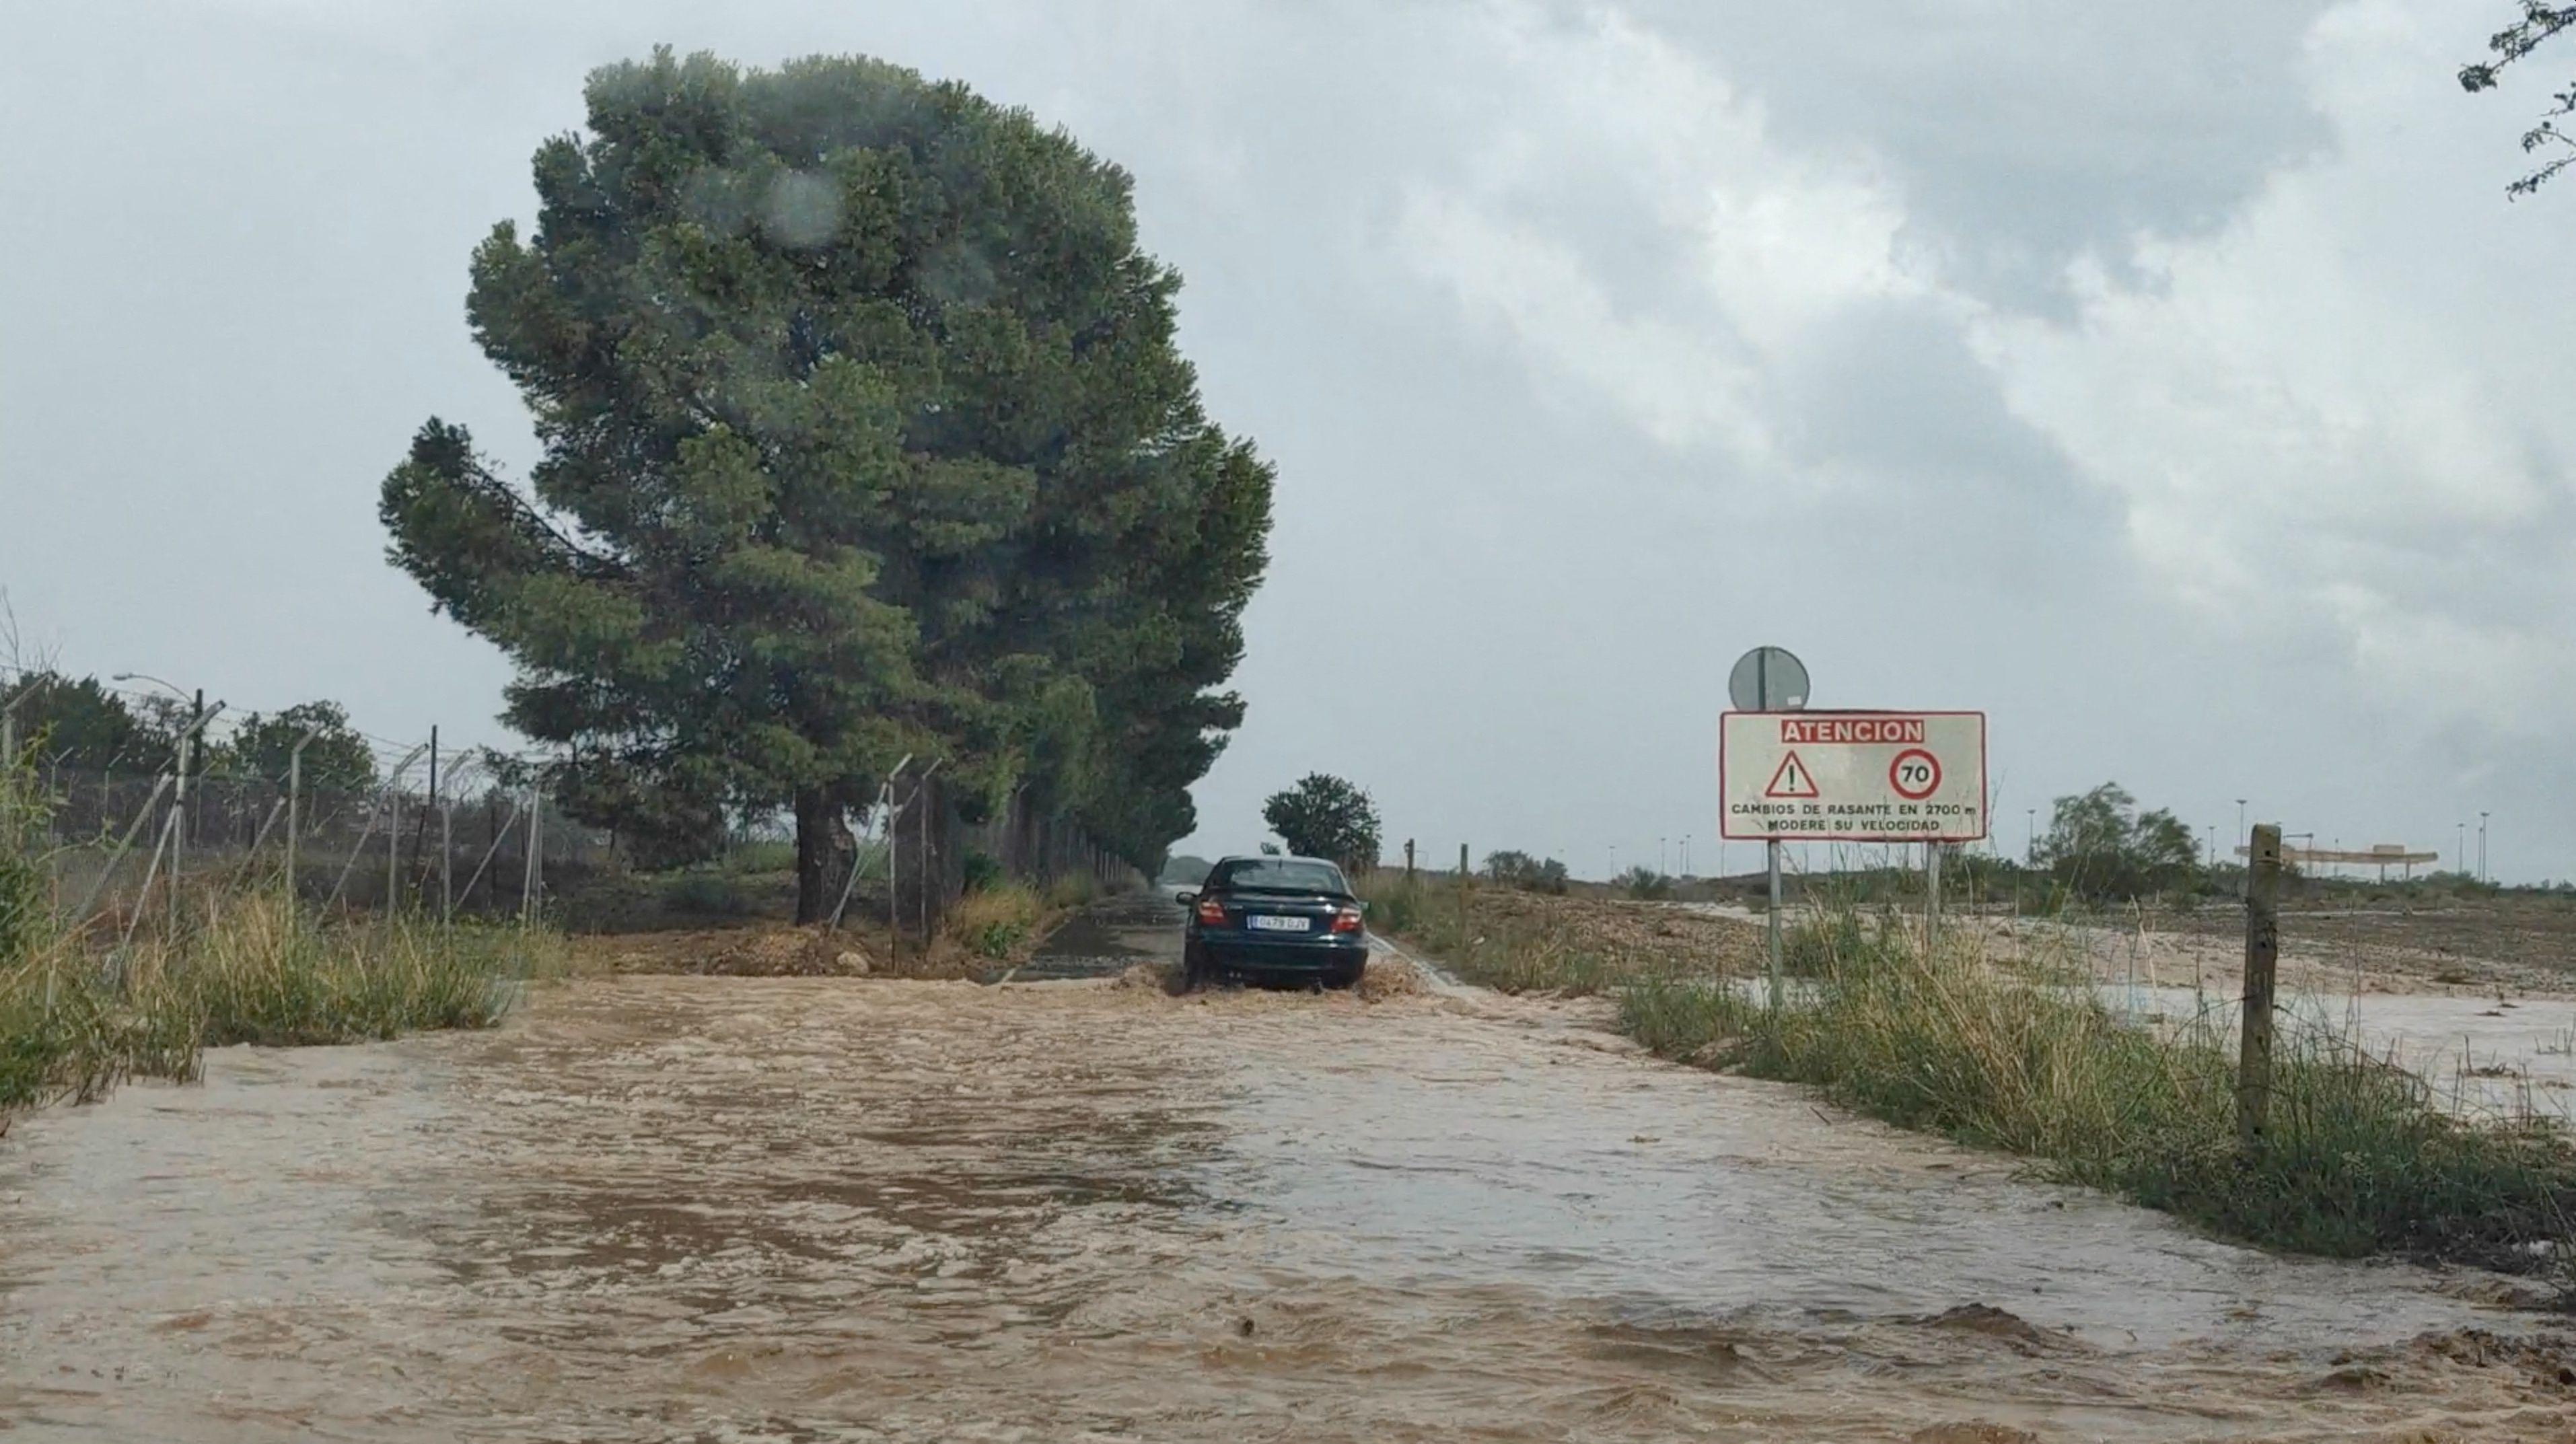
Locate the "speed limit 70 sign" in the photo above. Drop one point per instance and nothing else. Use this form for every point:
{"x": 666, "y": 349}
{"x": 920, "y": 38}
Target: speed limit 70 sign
{"x": 1853, "y": 776}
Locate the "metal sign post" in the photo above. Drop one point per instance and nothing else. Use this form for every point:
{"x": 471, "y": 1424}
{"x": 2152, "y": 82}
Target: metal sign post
{"x": 1766, "y": 679}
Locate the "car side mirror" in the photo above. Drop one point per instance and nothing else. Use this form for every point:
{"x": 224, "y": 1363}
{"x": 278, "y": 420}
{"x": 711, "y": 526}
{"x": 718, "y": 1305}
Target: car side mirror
{"x": 1185, "y": 898}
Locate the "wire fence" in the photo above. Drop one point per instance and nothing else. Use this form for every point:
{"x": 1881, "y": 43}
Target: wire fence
{"x": 465, "y": 840}
{"x": 473, "y": 847}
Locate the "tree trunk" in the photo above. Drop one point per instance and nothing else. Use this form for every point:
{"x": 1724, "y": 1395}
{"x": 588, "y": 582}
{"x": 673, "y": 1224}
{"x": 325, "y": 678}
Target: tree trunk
{"x": 824, "y": 848}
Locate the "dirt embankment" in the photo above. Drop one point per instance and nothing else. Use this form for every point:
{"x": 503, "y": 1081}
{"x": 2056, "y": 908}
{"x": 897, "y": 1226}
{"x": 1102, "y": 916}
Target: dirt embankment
{"x": 777, "y": 950}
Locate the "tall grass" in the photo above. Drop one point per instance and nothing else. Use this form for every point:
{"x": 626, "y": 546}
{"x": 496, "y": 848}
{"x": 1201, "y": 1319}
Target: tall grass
{"x": 2358, "y": 1158}
{"x": 995, "y": 919}
{"x": 76, "y": 1017}
{"x": 258, "y": 976}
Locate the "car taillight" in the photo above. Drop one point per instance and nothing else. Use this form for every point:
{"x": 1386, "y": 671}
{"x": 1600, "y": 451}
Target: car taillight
{"x": 1347, "y": 920}
{"x": 1211, "y": 911}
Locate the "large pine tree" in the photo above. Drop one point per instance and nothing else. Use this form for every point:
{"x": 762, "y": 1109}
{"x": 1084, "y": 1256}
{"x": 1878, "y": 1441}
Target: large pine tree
{"x": 864, "y": 433}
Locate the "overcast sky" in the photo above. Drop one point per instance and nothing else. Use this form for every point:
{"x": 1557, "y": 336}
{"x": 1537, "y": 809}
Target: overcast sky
{"x": 2174, "y": 382}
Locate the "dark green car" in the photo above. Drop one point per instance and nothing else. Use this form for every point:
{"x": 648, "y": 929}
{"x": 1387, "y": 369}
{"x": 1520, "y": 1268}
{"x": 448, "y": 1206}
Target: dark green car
{"x": 1292, "y": 919}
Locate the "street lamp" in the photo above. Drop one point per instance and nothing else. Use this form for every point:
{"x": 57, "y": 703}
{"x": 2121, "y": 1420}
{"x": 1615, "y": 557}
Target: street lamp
{"x": 172, "y": 688}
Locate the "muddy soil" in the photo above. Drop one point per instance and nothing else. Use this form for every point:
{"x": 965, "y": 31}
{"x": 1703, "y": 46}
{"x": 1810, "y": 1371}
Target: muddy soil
{"x": 700, "y": 1208}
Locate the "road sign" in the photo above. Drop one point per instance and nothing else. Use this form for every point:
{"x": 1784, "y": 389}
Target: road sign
{"x": 1767, "y": 679}
{"x": 1853, "y": 776}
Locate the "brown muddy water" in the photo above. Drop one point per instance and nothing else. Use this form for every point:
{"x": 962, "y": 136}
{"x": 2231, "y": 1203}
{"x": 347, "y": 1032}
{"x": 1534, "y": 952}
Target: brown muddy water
{"x": 808, "y": 1209}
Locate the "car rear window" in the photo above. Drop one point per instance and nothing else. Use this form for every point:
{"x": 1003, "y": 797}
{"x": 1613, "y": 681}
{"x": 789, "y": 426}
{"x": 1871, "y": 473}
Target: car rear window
{"x": 1264, "y": 874}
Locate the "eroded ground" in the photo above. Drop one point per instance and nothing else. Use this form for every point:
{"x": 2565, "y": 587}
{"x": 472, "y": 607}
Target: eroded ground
{"x": 821, "y": 1209}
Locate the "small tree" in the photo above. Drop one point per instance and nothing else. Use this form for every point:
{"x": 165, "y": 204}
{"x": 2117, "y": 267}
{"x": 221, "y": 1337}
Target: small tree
{"x": 1644, "y": 884}
{"x": 1324, "y": 816}
{"x": 1529, "y": 874}
{"x": 2100, "y": 847}
{"x": 337, "y": 759}
{"x": 82, "y": 725}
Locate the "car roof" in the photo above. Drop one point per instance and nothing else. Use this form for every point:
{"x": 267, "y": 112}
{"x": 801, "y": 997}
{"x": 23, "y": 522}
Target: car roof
{"x": 1274, "y": 857}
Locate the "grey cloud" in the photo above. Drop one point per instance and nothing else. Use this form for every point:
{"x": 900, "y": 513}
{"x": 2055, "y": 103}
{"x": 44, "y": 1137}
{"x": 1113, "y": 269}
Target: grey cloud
{"x": 1499, "y": 599}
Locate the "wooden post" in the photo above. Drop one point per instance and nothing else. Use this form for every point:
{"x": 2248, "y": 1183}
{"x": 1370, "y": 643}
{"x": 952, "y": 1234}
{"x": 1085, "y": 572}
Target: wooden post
{"x": 1408, "y": 859}
{"x": 1463, "y": 941}
{"x": 2262, "y": 953}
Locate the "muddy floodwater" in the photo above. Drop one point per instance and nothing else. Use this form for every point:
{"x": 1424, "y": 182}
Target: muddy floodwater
{"x": 1085, "y": 1210}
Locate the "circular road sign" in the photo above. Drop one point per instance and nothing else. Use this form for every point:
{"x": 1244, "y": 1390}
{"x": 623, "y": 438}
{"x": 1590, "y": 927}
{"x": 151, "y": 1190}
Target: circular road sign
{"x": 1915, "y": 774}
{"x": 1768, "y": 679}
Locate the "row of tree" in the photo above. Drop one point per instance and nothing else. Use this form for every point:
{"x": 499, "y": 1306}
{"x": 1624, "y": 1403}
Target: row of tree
{"x": 2099, "y": 846}
{"x": 864, "y": 436}
{"x": 81, "y": 725}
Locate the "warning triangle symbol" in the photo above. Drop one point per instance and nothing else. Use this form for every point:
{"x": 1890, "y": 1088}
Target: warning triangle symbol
{"x": 1792, "y": 780}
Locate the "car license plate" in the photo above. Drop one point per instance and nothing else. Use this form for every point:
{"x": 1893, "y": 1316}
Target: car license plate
{"x": 1261, "y": 923}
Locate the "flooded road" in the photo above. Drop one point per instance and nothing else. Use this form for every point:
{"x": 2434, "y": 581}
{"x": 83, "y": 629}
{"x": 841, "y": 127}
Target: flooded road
{"x": 816, "y": 1209}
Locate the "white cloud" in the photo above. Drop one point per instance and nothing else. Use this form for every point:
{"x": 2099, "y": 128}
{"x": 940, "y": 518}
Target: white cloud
{"x": 2344, "y": 410}
{"x": 1612, "y": 128}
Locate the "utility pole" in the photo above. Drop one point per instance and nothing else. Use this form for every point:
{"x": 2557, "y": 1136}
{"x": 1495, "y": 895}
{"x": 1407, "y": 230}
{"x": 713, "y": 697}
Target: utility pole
{"x": 2484, "y": 875}
{"x": 2246, "y": 880}
{"x": 2030, "y": 835}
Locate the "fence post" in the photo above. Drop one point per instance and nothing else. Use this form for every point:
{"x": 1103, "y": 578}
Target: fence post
{"x": 446, "y": 861}
{"x": 1408, "y": 859}
{"x": 294, "y": 802}
{"x": 2262, "y": 954}
{"x": 531, "y": 878}
{"x": 393, "y": 846}
{"x": 179, "y": 809}
{"x": 98, "y": 885}
{"x": 1464, "y": 946}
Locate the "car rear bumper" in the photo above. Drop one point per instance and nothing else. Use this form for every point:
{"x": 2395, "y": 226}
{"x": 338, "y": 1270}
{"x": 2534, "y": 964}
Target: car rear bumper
{"x": 1245, "y": 956}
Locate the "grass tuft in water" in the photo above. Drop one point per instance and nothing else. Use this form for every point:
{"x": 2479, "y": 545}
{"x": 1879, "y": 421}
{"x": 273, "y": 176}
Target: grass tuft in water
{"x": 77, "y": 1017}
